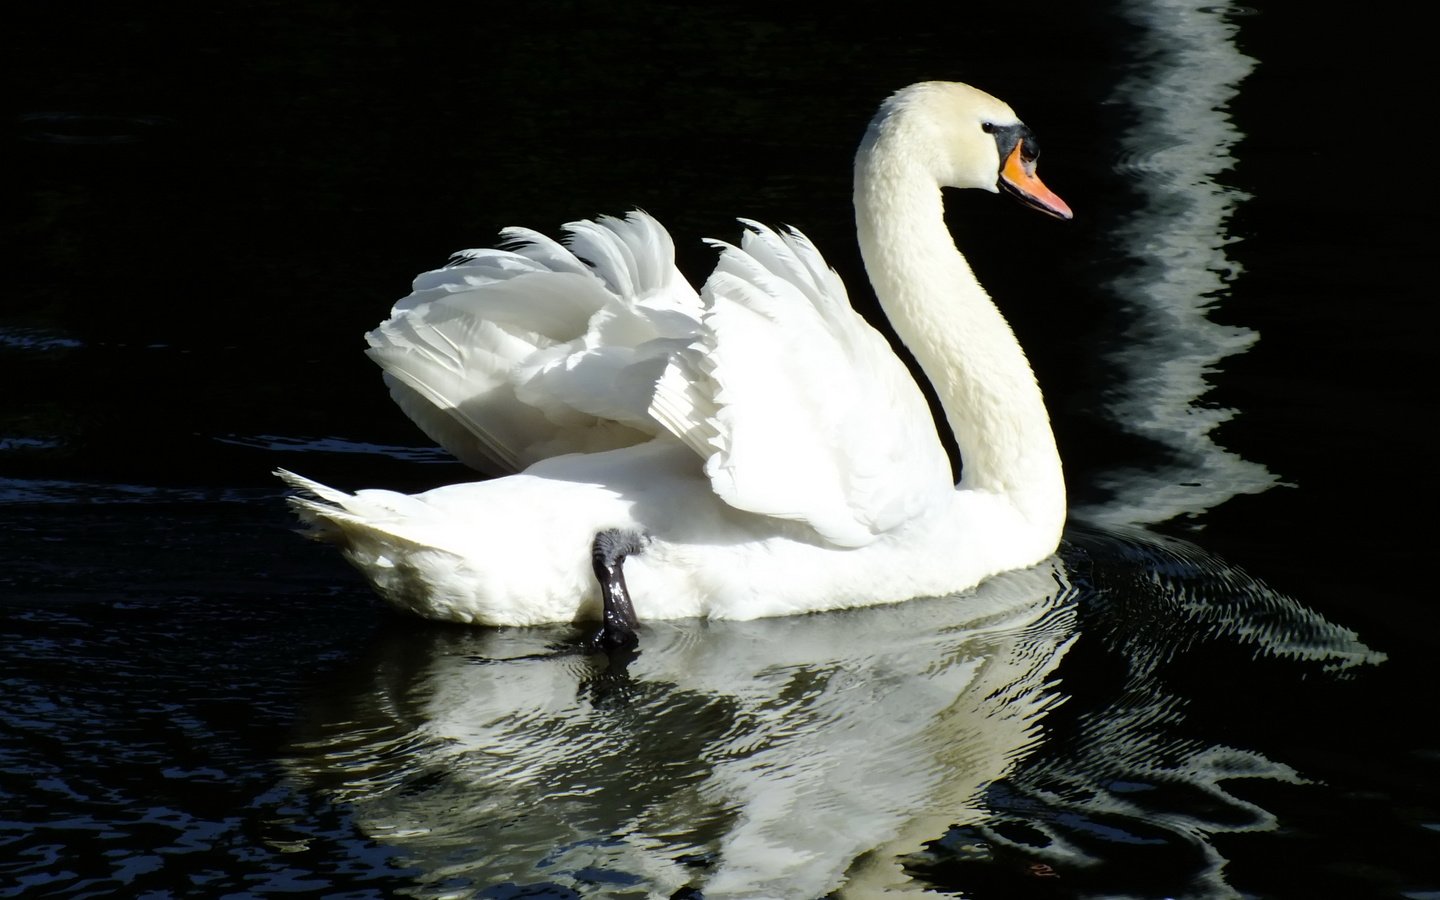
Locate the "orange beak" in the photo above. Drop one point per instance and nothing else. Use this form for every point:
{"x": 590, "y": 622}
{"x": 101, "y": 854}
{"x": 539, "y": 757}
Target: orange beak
{"x": 1019, "y": 178}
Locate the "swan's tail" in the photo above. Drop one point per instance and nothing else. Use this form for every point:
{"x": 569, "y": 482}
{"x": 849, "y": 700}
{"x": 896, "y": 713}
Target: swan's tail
{"x": 317, "y": 506}
{"x": 356, "y": 520}
{"x": 394, "y": 540}
{"x": 423, "y": 557}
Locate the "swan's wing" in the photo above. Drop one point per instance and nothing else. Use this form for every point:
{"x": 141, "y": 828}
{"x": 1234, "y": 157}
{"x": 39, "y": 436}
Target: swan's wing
{"x": 800, "y": 409}
{"x": 507, "y": 356}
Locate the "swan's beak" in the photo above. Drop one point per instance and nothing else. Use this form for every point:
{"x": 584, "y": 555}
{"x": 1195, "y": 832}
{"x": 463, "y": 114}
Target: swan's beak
{"x": 1018, "y": 177}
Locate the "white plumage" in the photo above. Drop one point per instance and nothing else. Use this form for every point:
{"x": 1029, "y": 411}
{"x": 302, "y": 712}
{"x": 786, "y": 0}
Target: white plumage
{"x": 763, "y": 439}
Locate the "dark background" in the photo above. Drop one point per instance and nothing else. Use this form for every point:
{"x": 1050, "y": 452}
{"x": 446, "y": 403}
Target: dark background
{"x": 209, "y": 205}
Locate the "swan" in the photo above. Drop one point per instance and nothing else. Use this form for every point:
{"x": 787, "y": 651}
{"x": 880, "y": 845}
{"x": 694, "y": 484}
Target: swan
{"x": 752, "y": 449}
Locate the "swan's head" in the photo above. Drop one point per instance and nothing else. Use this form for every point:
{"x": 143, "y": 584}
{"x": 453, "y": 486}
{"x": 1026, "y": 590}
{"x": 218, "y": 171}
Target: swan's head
{"x": 964, "y": 138}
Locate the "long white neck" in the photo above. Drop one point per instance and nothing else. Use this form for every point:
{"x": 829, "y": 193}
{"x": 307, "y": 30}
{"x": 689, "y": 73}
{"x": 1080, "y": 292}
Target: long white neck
{"x": 959, "y": 338}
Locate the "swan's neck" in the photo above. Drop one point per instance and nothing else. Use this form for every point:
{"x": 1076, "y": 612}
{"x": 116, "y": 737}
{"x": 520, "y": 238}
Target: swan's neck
{"x": 959, "y": 338}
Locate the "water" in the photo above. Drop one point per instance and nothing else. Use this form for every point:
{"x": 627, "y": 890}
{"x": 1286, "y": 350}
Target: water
{"x": 1220, "y": 687}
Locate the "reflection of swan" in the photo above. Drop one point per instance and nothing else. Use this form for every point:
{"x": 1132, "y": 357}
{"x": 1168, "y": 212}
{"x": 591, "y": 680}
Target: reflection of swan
{"x": 780, "y": 758}
{"x": 823, "y": 482}
{"x": 1179, "y": 139}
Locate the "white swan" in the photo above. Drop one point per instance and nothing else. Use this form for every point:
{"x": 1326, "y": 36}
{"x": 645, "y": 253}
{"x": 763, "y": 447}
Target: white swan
{"x": 755, "y": 449}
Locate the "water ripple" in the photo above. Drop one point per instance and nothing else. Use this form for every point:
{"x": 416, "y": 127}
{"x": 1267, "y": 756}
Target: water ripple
{"x": 90, "y": 129}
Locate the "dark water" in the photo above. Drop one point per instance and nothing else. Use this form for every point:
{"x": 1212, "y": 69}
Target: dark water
{"x": 1223, "y": 686}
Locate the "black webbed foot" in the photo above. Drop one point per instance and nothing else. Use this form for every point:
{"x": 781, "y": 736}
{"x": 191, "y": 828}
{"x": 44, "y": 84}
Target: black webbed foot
{"x": 617, "y": 634}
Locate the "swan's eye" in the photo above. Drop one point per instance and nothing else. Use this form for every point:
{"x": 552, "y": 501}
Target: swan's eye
{"x": 987, "y": 127}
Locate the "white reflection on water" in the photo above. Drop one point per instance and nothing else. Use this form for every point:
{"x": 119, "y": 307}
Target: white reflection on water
{"x": 758, "y": 759}
{"x": 1186, "y": 71}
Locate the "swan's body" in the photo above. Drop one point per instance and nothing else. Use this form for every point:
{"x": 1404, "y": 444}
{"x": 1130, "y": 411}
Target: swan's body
{"x": 761, "y": 441}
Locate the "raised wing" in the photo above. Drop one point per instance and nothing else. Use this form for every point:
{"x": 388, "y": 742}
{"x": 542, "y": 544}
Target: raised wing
{"x": 508, "y": 356}
{"x": 800, "y": 409}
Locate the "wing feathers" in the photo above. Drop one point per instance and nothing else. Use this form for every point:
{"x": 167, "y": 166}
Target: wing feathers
{"x": 506, "y": 356}
{"x": 800, "y": 408}
{"x": 797, "y": 407}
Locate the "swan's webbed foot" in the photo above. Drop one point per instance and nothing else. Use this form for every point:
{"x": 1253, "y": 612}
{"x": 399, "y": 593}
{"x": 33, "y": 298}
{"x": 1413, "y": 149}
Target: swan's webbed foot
{"x": 618, "y": 628}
